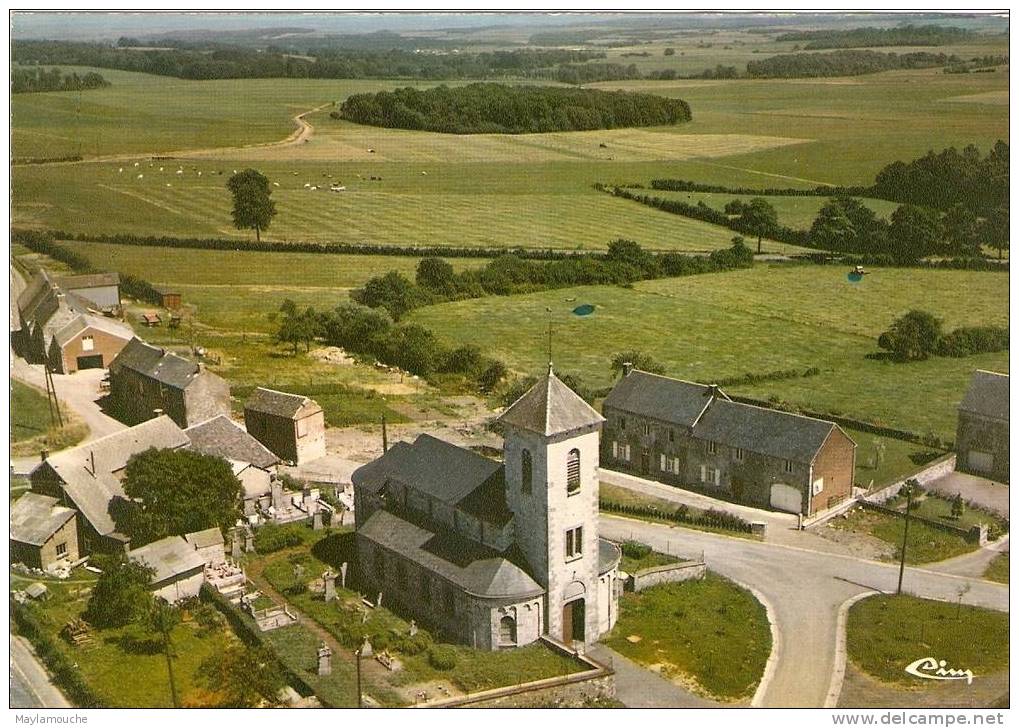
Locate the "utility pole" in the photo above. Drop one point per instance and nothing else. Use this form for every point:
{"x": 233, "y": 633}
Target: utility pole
{"x": 357, "y": 655}
{"x": 385, "y": 434}
{"x": 908, "y": 487}
{"x": 51, "y": 396}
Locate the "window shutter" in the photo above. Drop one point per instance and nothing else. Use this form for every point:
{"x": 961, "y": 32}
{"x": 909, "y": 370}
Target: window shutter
{"x": 675, "y": 465}
{"x": 704, "y": 474}
{"x": 663, "y": 463}
{"x": 718, "y": 476}
{"x": 615, "y": 449}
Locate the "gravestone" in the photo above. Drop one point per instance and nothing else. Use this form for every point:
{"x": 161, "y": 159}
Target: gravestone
{"x": 325, "y": 663}
{"x": 378, "y": 602}
{"x": 329, "y": 580}
{"x": 343, "y": 574}
{"x": 235, "y": 546}
{"x": 366, "y": 648}
{"x": 413, "y": 628}
{"x": 249, "y": 541}
{"x": 316, "y": 520}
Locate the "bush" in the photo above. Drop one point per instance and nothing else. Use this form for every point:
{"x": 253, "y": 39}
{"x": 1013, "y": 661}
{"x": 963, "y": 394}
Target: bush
{"x": 635, "y": 549}
{"x": 442, "y": 657}
{"x": 270, "y": 537}
{"x": 973, "y": 340}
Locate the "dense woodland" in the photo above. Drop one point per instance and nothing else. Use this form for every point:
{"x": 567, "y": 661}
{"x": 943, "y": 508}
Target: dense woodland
{"x": 34, "y": 80}
{"x": 904, "y": 35}
{"x": 497, "y": 108}
{"x": 843, "y": 63}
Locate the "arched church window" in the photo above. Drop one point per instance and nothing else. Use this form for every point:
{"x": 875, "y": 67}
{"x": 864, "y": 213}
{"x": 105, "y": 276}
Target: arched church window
{"x": 526, "y": 471}
{"x": 573, "y": 471}
{"x": 507, "y": 630}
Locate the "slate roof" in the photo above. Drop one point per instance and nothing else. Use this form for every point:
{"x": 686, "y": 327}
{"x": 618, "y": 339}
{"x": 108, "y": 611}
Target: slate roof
{"x": 158, "y": 364}
{"x": 204, "y": 539}
{"x": 224, "y": 438}
{"x": 987, "y": 395}
{"x": 429, "y": 465}
{"x": 35, "y": 517}
{"x": 86, "y": 321}
{"x": 480, "y": 571}
{"x": 550, "y": 408}
{"x": 281, "y": 404}
{"x": 661, "y": 398}
{"x": 169, "y": 557}
{"x": 609, "y": 556}
{"x": 88, "y": 280}
{"x": 761, "y": 430}
{"x": 92, "y": 491}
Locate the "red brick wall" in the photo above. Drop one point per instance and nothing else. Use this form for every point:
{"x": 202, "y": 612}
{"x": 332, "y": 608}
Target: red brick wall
{"x": 104, "y": 343}
{"x": 835, "y": 463}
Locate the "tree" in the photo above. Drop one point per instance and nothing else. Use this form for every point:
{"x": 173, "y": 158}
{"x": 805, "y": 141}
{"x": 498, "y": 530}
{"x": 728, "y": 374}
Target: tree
{"x": 638, "y": 359}
{"x": 392, "y": 292}
{"x": 435, "y": 273}
{"x": 759, "y": 218}
{"x": 915, "y": 232}
{"x": 958, "y": 506}
{"x": 962, "y": 230}
{"x": 357, "y": 328}
{"x": 628, "y": 252}
{"x": 832, "y": 229}
{"x": 994, "y": 229}
{"x": 295, "y": 326}
{"x": 253, "y": 207}
{"x": 173, "y": 492}
{"x": 494, "y": 373}
{"x": 242, "y": 677}
{"x": 913, "y": 336}
{"x": 121, "y": 594}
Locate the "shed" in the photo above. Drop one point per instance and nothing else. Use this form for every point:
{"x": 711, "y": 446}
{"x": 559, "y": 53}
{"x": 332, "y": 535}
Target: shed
{"x": 178, "y": 570}
{"x": 290, "y": 425}
{"x": 170, "y": 298}
{"x": 43, "y": 532}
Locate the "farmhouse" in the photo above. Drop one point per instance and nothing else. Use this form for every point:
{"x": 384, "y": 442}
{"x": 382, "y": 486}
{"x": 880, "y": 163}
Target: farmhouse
{"x": 64, "y": 329}
{"x": 494, "y": 555}
{"x": 291, "y": 425}
{"x": 43, "y": 532}
{"x": 981, "y": 438}
{"x": 688, "y": 434}
{"x": 179, "y": 570}
{"x": 102, "y": 290}
{"x": 88, "y": 478}
{"x": 145, "y": 378}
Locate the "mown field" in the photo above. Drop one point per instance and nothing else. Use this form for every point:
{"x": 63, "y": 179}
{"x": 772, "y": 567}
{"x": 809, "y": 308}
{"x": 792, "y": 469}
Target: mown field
{"x": 492, "y": 190}
{"x": 771, "y": 318}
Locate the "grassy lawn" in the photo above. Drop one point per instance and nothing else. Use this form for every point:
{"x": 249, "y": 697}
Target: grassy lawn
{"x": 997, "y": 570}
{"x": 710, "y": 634}
{"x": 884, "y": 634}
{"x": 820, "y": 320}
{"x": 610, "y": 494}
{"x": 475, "y": 670}
{"x": 939, "y": 509}
{"x": 30, "y": 412}
{"x": 926, "y": 544}
{"x": 124, "y": 666}
{"x": 632, "y": 565}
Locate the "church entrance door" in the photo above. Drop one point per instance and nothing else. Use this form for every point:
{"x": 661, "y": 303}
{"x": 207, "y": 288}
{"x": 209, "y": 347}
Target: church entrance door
{"x": 573, "y": 621}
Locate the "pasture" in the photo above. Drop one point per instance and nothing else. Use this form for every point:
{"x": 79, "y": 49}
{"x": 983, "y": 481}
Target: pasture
{"x": 491, "y": 190}
{"x": 771, "y": 318}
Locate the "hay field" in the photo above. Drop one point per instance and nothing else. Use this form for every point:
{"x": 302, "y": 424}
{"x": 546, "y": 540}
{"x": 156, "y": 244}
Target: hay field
{"x": 767, "y": 319}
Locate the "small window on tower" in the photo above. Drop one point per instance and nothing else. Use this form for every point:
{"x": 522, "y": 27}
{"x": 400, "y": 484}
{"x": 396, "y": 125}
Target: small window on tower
{"x": 573, "y": 472}
{"x": 575, "y": 543}
{"x": 526, "y": 469}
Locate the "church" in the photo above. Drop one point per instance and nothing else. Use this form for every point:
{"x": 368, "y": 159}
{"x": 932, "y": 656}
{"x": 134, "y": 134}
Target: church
{"x": 494, "y": 555}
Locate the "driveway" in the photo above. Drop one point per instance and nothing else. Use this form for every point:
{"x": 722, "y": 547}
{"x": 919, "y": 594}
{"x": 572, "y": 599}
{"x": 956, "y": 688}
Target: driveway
{"x": 805, "y": 589}
{"x": 985, "y": 493}
{"x": 30, "y": 683}
{"x": 638, "y": 687}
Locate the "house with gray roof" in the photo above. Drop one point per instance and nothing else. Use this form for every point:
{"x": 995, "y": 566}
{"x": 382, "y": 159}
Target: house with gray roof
{"x": 981, "y": 438}
{"x": 147, "y": 380}
{"x": 224, "y": 438}
{"x": 290, "y": 425}
{"x": 88, "y": 478}
{"x": 178, "y": 570}
{"x": 102, "y": 290}
{"x": 695, "y": 436}
{"x": 494, "y": 555}
{"x": 43, "y": 532}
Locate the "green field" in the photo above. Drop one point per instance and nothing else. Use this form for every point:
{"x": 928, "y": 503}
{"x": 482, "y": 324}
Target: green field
{"x": 493, "y": 190}
{"x": 771, "y": 318}
{"x": 30, "y": 412}
{"x": 795, "y": 212}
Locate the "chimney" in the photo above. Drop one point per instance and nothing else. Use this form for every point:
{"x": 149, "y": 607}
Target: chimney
{"x": 713, "y": 390}
{"x": 158, "y": 412}
{"x": 627, "y": 368}
{"x": 43, "y": 454}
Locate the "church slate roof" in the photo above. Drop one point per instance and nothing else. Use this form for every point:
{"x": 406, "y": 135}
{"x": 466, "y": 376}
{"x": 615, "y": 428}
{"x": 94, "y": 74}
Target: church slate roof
{"x": 987, "y": 395}
{"x": 432, "y": 466}
{"x": 273, "y": 402}
{"x": 224, "y": 438}
{"x": 35, "y": 517}
{"x": 661, "y": 398}
{"x": 478, "y": 571}
{"x": 609, "y": 556}
{"x": 550, "y": 408}
{"x": 765, "y": 431}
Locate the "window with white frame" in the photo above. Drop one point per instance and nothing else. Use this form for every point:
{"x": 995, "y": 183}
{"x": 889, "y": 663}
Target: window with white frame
{"x": 818, "y": 486}
{"x": 710, "y": 475}
{"x": 620, "y": 451}
{"x": 88, "y": 343}
{"x": 712, "y": 447}
{"x": 574, "y": 543}
{"x": 669, "y": 465}
{"x": 647, "y": 429}
{"x": 61, "y": 549}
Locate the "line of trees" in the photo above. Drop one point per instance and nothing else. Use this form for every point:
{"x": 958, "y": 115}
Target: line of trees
{"x": 843, "y": 63}
{"x": 35, "y": 80}
{"x": 870, "y": 37}
{"x": 498, "y": 108}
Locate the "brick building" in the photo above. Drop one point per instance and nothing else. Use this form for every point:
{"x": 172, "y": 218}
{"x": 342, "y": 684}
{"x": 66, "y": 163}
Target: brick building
{"x": 146, "y": 378}
{"x": 981, "y": 438}
{"x": 693, "y": 435}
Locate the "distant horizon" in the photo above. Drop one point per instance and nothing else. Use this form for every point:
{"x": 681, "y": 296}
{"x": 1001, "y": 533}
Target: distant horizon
{"x": 110, "y": 25}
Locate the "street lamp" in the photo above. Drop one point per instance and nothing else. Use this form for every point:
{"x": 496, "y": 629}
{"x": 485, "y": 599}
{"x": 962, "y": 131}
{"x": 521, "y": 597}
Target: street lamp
{"x": 909, "y": 487}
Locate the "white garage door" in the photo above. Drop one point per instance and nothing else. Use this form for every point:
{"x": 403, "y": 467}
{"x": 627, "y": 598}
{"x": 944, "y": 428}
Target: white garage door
{"x": 786, "y": 498}
{"x": 981, "y": 461}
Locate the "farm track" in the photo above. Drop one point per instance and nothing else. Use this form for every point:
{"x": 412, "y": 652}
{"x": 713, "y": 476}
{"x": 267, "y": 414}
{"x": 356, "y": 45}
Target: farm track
{"x": 303, "y": 133}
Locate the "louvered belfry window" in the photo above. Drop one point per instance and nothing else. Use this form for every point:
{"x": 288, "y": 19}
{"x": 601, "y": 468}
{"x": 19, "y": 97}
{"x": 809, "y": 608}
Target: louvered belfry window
{"x": 573, "y": 471}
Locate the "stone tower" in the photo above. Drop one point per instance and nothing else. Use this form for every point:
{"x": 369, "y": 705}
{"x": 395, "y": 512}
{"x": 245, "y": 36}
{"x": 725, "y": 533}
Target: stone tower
{"x": 551, "y": 452}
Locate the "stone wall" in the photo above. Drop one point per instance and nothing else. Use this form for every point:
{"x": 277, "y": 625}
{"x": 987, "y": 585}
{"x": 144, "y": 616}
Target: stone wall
{"x": 934, "y": 470}
{"x": 670, "y": 573}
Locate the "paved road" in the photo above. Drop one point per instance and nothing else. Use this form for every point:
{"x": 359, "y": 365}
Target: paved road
{"x": 983, "y": 492}
{"x": 638, "y": 687}
{"x": 30, "y": 684}
{"x": 805, "y": 589}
